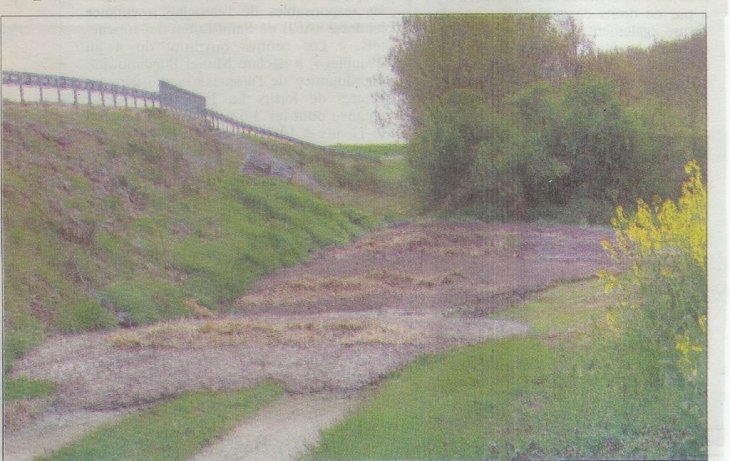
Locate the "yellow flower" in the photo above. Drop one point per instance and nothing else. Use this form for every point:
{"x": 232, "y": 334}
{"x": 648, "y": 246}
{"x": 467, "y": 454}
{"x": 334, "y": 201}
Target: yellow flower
{"x": 665, "y": 243}
{"x": 702, "y": 321}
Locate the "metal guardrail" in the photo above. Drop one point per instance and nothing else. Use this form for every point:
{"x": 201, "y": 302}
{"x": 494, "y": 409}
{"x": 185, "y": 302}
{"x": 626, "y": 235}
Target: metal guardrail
{"x": 43, "y": 81}
{"x": 238, "y": 126}
{"x": 217, "y": 120}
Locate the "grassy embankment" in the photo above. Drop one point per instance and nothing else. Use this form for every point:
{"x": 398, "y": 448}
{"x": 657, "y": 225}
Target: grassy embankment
{"x": 135, "y": 217}
{"x": 567, "y": 390}
{"x": 374, "y": 180}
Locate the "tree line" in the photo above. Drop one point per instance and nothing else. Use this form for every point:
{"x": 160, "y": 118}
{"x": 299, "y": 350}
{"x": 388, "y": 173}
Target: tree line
{"x": 518, "y": 117}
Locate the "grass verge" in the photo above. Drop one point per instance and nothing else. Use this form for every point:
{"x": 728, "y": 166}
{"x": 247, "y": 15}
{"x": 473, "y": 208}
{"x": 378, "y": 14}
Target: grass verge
{"x": 174, "y": 430}
{"x": 568, "y": 390}
{"x": 25, "y": 388}
{"x": 375, "y": 150}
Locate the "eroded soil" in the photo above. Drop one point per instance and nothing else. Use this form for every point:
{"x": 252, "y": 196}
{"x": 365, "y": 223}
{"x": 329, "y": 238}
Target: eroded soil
{"x": 339, "y": 322}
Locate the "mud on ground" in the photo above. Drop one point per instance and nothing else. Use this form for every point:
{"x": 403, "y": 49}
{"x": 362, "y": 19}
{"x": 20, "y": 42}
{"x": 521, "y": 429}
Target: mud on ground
{"x": 338, "y": 322}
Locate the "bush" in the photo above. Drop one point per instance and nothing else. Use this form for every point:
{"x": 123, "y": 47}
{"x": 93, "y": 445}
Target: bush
{"x": 466, "y": 156}
{"x": 545, "y": 149}
{"x": 442, "y": 151}
{"x": 668, "y": 138}
{"x": 664, "y": 306}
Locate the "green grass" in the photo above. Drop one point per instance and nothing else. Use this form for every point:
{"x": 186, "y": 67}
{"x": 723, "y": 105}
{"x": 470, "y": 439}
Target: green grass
{"x": 565, "y": 391}
{"x": 174, "y": 430}
{"x": 374, "y": 180}
{"x": 376, "y": 150}
{"x": 25, "y": 388}
{"x": 569, "y": 311}
{"x": 135, "y": 213}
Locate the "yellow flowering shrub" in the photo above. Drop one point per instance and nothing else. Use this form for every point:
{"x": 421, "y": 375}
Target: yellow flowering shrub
{"x": 664, "y": 302}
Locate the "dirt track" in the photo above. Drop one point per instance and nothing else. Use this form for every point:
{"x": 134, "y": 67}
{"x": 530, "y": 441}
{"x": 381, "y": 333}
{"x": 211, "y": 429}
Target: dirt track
{"x": 283, "y": 430}
{"x": 336, "y": 323}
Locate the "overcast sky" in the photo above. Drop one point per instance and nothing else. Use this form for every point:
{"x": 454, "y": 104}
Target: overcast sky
{"x": 311, "y": 77}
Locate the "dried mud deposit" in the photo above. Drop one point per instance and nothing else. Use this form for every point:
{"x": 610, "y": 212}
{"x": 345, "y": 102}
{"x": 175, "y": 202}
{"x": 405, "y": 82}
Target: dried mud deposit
{"x": 336, "y": 323}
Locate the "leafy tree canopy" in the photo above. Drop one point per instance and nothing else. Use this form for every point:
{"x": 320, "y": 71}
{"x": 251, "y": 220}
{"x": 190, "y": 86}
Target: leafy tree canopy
{"x": 515, "y": 116}
{"x": 492, "y": 54}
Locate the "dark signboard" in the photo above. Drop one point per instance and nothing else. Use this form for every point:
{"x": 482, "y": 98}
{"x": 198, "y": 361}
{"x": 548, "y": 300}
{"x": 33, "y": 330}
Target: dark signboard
{"x": 173, "y": 97}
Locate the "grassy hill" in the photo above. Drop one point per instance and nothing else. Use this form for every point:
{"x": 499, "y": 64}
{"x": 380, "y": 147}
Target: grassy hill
{"x": 118, "y": 217}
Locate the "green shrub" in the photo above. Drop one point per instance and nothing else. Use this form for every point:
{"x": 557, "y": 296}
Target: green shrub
{"x": 664, "y": 307}
{"x": 666, "y": 288}
{"x": 443, "y": 149}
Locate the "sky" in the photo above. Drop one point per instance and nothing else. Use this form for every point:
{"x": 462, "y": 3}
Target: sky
{"x": 310, "y": 77}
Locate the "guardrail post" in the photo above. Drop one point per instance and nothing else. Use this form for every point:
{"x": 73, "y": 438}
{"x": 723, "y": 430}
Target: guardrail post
{"x": 102, "y": 98}
{"x": 40, "y": 89}
{"x": 88, "y": 93}
{"x": 58, "y": 90}
{"x": 76, "y": 96}
{"x": 125, "y": 100}
{"x": 114, "y": 97}
{"x": 20, "y": 86}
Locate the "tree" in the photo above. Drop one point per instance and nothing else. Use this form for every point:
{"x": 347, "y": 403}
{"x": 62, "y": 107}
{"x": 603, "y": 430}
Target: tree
{"x": 494, "y": 55}
{"x": 578, "y": 142}
{"x": 465, "y": 155}
{"x": 668, "y": 138}
{"x": 443, "y": 148}
{"x": 537, "y": 112}
{"x": 673, "y": 72}
{"x": 513, "y": 115}
{"x": 598, "y": 143}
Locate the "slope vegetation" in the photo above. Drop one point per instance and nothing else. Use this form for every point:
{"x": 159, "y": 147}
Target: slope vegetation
{"x": 119, "y": 218}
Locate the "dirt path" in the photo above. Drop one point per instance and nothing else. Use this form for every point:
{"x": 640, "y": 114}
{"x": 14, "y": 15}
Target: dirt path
{"x": 283, "y": 430}
{"x": 53, "y": 430}
{"x": 337, "y": 323}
